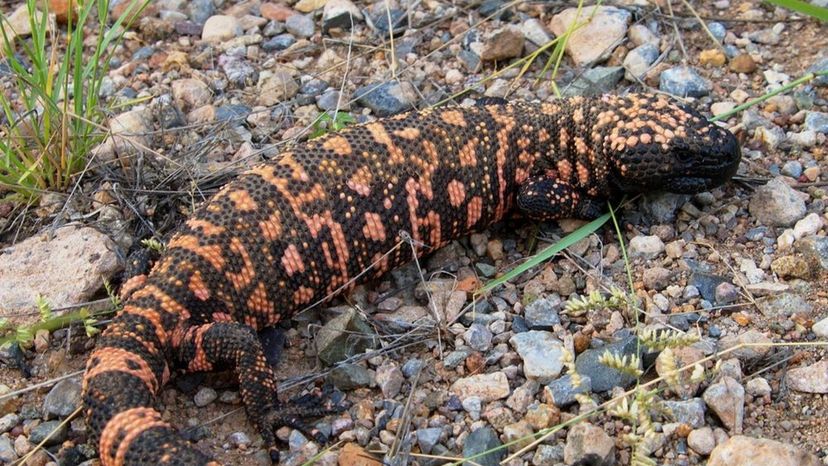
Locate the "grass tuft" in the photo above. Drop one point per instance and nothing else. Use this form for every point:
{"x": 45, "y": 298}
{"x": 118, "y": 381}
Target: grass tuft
{"x": 49, "y": 121}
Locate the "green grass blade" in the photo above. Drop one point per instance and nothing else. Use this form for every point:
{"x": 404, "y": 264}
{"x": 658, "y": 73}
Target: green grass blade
{"x": 547, "y": 253}
{"x": 803, "y": 7}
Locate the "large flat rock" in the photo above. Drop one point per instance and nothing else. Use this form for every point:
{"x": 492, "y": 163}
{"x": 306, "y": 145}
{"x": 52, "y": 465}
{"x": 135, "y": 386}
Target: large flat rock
{"x": 67, "y": 268}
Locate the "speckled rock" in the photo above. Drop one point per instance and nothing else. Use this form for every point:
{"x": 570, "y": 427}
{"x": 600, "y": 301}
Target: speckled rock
{"x": 595, "y": 41}
{"x": 502, "y": 44}
{"x": 488, "y": 387}
{"x": 389, "y": 98}
{"x": 64, "y": 269}
{"x": 727, "y": 399}
{"x": 776, "y": 204}
{"x": 746, "y": 451}
{"x": 276, "y": 86}
{"x": 589, "y": 444}
{"x": 541, "y": 353}
{"x": 684, "y": 81}
{"x": 809, "y": 379}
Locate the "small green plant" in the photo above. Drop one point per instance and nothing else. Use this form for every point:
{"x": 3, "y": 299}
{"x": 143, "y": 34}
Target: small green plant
{"x": 51, "y": 118}
{"x": 325, "y": 123}
{"x": 153, "y": 245}
{"x": 616, "y": 300}
{"x": 803, "y": 7}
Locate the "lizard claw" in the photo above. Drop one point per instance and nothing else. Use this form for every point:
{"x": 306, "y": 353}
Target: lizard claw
{"x": 294, "y": 413}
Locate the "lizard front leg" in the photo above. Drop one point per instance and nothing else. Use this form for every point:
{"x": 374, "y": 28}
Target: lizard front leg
{"x": 547, "y": 198}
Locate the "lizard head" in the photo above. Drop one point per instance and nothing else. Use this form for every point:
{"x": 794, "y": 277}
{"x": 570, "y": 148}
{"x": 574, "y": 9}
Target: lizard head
{"x": 657, "y": 144}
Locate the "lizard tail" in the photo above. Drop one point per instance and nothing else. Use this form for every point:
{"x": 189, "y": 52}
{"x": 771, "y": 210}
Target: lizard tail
{"x": 123, "y": 376}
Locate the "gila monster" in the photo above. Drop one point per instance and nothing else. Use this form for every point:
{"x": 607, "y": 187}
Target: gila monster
{"x": 294, "y": 231}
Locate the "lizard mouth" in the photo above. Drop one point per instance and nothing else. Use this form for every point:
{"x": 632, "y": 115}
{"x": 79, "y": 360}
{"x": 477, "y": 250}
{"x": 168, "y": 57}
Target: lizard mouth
{"x": 691, "y": 184}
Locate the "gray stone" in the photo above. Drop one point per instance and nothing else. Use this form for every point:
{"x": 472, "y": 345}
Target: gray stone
{"x": 427, "y": 438}
{"x": 815, "y": 250}
{"x": 239, "y": 440}
{"x": 648, "y": 247}
{"x": 541, "y": 354}
{"x": 345, "y": 335}
{"x": 706, "y": 284}
{"x": 535, "y": 32}
{"x": 781, "y": 305}
{"x": 820, "y": 65}
{"x": 759, "y": 387}
{"x": 8, "y": 422}
{"x": 232, "y": 113}
{"x": 7, "y": 453}
{"x": 548, "y": 454}
{"x": 562, "y": 392}
{"x": 278, "y": 42}
{"x": 817, "y": 122}
{"x": 760, "y": 345}
{"x": 239, "y": 71}
{"x": 639, "y": 60}
{"x": 478, "y": 337}
{"x": 662, "y": 207}
{"x": 63, "y": 399}
{"x": 776, "y": 204}
{"x": 54, "y": 430}
{"x": 204, "y": 397}
{"x": 717, "y": 29}
{"x": 456, "y": 357}
{"x": 726, "y": 293}
{"x": 350, "y": 376}
{"x": 684, "y": 81}
{"x": 483, "y": 439}
{"x": 332, "y": 99}
{"x": 300, "y": 25}
{"x": 690, "y": 412}
{"x": 381, "y": 24}
{"x": 296, "y": 441}
{"x": 542, "y": 313}
{"x": 340, "y": 14}
{"x": 201, "y": 10}
{"x": 702, "y": 440}
{"x": 595, "y": 81}
{"x": 389, "y": 98}
{"x": 792, "y": 168}
{"x": 472, "y": 405}
{"x": 604, "y": 378}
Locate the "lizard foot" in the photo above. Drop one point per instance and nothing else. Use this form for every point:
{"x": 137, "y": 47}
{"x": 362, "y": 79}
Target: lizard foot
{"x": 295, "y": 412}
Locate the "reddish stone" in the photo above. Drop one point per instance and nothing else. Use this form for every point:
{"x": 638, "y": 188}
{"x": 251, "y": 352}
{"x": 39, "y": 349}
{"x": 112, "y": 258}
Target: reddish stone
{"x": 276, "y": 11}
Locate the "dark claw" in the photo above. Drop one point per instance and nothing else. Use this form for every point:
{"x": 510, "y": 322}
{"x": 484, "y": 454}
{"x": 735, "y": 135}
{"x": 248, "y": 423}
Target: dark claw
{"x": 294, "y": 413}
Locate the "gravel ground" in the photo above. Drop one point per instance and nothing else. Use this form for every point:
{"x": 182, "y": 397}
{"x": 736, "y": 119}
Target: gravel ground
{"x": 208, "y": 87}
